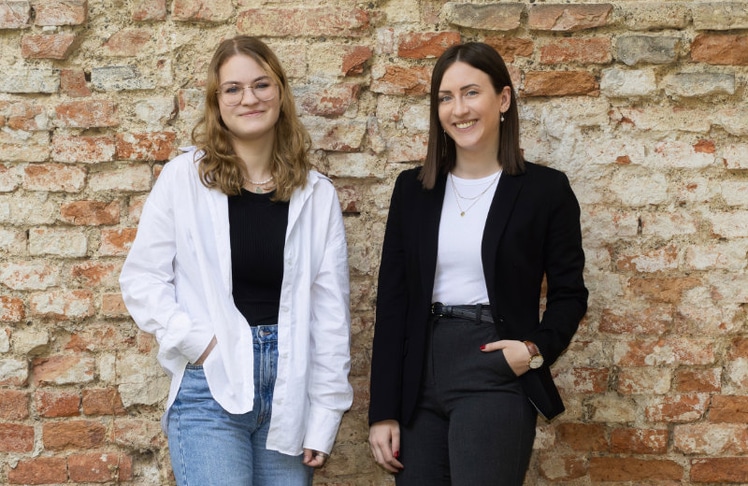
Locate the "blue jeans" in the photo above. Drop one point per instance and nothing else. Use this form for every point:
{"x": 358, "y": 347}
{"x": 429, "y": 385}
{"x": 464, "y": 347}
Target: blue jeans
{"x": 209, "y": 446}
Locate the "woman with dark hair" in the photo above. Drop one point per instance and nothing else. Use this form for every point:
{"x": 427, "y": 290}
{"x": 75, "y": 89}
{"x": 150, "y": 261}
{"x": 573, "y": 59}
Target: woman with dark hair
{"x": 461, "y": 358}
{"x": 239, "y": 269}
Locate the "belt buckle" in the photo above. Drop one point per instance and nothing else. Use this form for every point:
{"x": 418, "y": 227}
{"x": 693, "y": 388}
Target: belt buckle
{"x": 433, "y": 309}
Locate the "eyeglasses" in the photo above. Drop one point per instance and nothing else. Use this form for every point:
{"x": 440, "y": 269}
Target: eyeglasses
{"x": 232, "y": 94}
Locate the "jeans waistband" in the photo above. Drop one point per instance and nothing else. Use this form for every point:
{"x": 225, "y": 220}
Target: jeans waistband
{"x": 265, "y": 333}
{"x": 477, "y": 312}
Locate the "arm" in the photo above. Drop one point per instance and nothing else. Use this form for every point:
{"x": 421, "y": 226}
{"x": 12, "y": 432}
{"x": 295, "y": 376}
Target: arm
{"x": 330, "y": 393}
{"x": 147, "y": 279}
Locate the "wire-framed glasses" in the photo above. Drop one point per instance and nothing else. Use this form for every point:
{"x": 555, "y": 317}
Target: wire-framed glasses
{"x": 231, "y": 94}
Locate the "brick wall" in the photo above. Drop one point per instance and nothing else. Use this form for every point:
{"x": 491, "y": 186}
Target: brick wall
{"x": 643, "y": 104}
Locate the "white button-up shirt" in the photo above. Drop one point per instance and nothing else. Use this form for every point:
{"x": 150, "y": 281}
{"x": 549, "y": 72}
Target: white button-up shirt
{"x": 176, "y": 284}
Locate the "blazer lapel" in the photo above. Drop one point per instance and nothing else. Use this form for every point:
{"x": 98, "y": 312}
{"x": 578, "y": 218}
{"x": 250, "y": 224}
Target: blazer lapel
{"x": 430, "y": 216}
{"x": 498, "y": 216}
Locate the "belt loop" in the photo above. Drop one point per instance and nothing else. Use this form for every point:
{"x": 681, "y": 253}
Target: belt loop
{"x": 478, "y": 313}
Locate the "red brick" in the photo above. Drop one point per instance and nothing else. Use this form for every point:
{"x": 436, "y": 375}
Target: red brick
{"x": 27, "y": 116}
{"x": 698, "y": 380}
{"x": 100, "y": 467}
{"x": 639, "y": 441}
{"x": 729, "y": 409}
{"x": 87, "y": 114}
{"x": 92, "y": 273}
{"x": 738, "y": 348}
{"x": 112, "y": 305}
{"x": 14, "y": 405}
{"x": 202, "y": 10}
{"x": 101, "y": 337}
{"x": 82, "y": 148}
{"x": 117, "y": 241}
{"x": 510, "y": 48}
{"x": 127, "y": 42}
{"x": 332, "y": 101}
{"x": 314, "y": 21}
{"x": 398, "y": 80}
{"x": 720, "y": 49}
{"x": 11, "y": 309}
{"x": 704, "y": 147}
{"x": 655, "y": 319}
{"x": 63, "y": 369}
{"x": 61, "y": 12}
{"x": 147, "y": 10}
{"x": 720, "y": 470}
{"x": 662, "y": 289}
{"x": 584, "y": 51}
{"x": 560, "y": 83}
{"x": 51, "y": 403}
{"x": 102, "y": 401}
{"x": 677, "y": 408}
{"x": 90, "y": 213}
{"x": 586, "y": 380}
{"x": 583, "y": 437}
{"x": 633, "y": 469}
{"x": 568, "y": 18}
{"x": 14, "y": 14}
{"x": 354, "y": 59}
{"x": 157, "y": 146}
{"x": 416, "y": 45}
{"x": 47, "y": 46}
{"x": 41, "y": 470}
{"x": 73, "y": 83}
{"x": 54, "y": 178}
{"x": 16, "y": 437}
{"x": 83, "y": 434}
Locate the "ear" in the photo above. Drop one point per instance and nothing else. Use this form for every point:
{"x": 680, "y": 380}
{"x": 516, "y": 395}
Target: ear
{"x": 505, "y": 99}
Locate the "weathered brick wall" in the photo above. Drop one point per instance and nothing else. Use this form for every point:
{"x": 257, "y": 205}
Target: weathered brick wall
{"x": 641, "y": 103}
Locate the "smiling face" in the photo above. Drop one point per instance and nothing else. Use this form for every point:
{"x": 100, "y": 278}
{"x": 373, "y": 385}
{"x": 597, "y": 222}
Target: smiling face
{"x": 470, "y": 109}
{"x": 252, "y": 119}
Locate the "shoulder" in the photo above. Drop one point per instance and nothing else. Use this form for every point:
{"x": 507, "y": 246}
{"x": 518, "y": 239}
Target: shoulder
{"x": 544, "y": 176}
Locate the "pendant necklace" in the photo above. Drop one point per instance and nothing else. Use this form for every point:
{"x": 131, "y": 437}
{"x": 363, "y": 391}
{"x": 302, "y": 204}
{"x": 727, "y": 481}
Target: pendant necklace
{"x": 258, "y": 184}
{"x": 475, "y": 199}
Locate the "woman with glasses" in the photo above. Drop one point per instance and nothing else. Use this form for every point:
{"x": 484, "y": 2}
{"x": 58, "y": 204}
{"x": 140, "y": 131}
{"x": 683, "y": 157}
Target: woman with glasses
{"x": 460, "y": 362}
{"x": 239, "y": 269}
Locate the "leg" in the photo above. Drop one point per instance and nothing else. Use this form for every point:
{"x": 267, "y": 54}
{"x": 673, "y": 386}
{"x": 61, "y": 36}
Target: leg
{"x": 207, "y": 445}
{"x": 271, "y": 468}
{"x": 423, "y": 450}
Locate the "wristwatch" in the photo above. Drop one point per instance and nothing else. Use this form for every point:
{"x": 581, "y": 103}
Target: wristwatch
{"x": 536, "y": 359}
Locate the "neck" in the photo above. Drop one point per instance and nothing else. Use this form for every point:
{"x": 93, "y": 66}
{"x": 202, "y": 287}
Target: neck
{"x": 256, "y": 158}
{"x": 469, "y": 168}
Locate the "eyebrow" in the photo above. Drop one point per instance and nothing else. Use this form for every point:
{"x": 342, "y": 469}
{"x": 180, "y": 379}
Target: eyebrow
{"x": 462, "y": 88}
{"x": 260, "y": 78}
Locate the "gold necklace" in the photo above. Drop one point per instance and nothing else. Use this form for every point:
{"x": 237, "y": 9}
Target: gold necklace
{"x": 475, "y": 199}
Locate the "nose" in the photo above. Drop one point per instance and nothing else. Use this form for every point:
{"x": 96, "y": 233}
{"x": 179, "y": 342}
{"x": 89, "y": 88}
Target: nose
{"x": 253, "y": 99}
{"x": 460, "y": 107}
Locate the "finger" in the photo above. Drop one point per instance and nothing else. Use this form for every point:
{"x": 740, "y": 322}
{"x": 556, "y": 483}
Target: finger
{"x": 493, "y": 346}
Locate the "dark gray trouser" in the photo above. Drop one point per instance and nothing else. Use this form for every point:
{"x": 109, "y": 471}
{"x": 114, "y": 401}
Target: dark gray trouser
{"x": 474, "y": 426}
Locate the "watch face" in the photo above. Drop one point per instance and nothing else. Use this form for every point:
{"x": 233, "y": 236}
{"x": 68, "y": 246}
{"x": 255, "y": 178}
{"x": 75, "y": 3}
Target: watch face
{"x": 536, "y": 362}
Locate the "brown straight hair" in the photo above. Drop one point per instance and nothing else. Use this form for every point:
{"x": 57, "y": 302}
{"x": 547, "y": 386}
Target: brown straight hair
{"x": 441, "y": 153}
{"x": 219, "y": 166}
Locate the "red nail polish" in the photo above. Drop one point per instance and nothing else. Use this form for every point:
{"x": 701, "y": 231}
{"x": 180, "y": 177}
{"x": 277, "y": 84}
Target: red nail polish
{"x": 396, "y": 454}
{"x": 483, "y": 347}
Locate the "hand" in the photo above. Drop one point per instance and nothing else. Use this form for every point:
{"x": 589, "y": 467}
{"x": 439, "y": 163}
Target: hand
{"x": 515, "y": 352}
{"x": 314, "y": 458}
{"x": 207, "y": 351}
{"x": 384, "y": 440}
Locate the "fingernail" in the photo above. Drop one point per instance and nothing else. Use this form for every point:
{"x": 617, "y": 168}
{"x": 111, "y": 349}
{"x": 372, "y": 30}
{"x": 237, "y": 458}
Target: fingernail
{"x": 396, "y": 454}
{"x": 483, "y": 347}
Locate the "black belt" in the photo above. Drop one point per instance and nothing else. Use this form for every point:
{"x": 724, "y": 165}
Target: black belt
{"x": 477, "y": 313}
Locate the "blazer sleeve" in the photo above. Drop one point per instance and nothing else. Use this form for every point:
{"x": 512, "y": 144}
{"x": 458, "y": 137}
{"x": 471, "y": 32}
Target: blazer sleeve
{"x": 566, "y": 295}
{"x": 392, "y": 307}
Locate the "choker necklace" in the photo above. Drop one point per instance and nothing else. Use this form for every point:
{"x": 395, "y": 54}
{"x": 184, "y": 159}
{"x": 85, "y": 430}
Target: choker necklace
{"x": 474, "y": 199}
{"x": 258, "y": 184}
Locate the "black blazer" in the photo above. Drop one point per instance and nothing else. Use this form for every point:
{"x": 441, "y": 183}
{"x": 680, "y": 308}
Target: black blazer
{"x": 532, "y": 232}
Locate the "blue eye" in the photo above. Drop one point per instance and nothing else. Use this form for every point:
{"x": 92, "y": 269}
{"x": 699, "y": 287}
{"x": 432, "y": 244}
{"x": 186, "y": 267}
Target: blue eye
{"x": 231, "y": 89}
{"x": 262, "y": 85}
{"x": 445, "y": 99}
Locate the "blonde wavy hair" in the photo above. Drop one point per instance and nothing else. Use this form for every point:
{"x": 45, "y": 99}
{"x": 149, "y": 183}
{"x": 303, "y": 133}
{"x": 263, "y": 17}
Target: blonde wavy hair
{"x": 220, "y": 167}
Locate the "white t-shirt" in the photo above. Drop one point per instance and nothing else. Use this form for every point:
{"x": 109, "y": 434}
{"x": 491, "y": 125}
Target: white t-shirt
{"x": 459, "y": 276}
